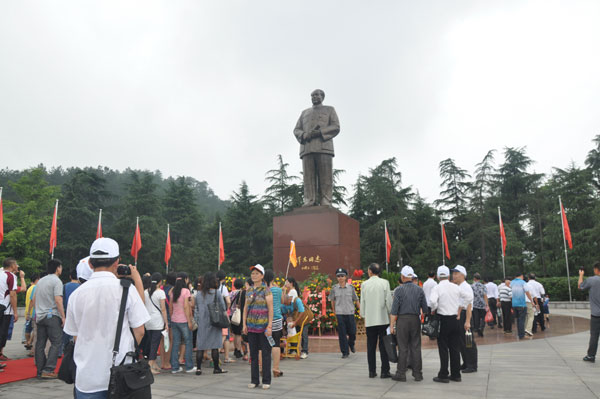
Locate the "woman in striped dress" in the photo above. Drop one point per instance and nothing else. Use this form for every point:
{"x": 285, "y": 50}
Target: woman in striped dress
{"x": 258, "y": 324}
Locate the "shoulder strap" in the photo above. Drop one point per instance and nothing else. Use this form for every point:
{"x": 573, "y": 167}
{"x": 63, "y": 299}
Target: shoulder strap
{"x": 125, "y": 284}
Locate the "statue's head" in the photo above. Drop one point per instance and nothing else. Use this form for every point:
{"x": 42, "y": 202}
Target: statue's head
{"x": 317, "y": 96}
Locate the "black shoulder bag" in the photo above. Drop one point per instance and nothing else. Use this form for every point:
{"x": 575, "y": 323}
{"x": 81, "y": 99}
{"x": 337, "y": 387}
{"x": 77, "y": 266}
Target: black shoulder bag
{"x": 218, "y": 315}
{"x": 128, "y": 381}
{"x": 67, "y": 369}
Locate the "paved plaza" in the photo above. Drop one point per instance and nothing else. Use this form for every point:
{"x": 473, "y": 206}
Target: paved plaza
{"x": 541, "y": 368}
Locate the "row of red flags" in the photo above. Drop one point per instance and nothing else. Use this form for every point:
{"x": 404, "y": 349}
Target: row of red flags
{"x": 137, "y": 238}
{"x": 565, "y": 225}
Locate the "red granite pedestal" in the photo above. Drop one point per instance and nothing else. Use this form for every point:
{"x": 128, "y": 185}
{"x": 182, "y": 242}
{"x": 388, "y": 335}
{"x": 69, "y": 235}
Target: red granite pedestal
{"x": 325, "y": 240}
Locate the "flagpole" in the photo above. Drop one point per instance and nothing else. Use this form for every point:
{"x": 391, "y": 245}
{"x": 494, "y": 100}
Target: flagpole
{"x": 137, "y": 226}
{"x": 219, "y": 249}
{"x": 385, "y": 235}
{"x": 168, "y": 228}
{"x": 56, "y": 219}
{"x": 442, "y": 235}
{"x": 501, "y": 245}
{"x": 562, "y": 222}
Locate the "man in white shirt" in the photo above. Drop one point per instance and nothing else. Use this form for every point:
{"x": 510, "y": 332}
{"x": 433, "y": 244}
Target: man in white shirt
{"x": 538, "y": 294}
{"x": 492, "y": 295}
{"x": 469, "y": 355}
{"x": 529, "y": 303}
{"x": 445, "y": 301}
{"x": 92, "y": 315}
{"x": 428, "y": 286}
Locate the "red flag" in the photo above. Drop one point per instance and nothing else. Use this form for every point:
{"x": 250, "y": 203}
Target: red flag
{"x": 388, "y": 245}
{"x": 1, "y": 219}
{"x": 168, "y": 246}
{"x": 99, "y": 229}
{"x": 305, "y": 295}
{"x": 137, "y": 241}
{"x": 566, "y": 228}
{"x": 445, "y": 241}
{"x": 502, "y": 236}
{"x": 53, "y": 229}
{"x": 221, "y": 247}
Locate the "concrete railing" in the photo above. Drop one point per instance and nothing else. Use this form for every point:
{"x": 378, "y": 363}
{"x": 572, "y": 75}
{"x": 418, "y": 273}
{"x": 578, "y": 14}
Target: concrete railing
{"x": 569, "y": 305}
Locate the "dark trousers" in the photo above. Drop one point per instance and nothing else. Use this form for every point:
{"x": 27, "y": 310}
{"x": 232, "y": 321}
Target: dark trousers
{"x": 318, "y": 184}
{"x": 507, "y": 315}
{"x": 48, "y": 328}
{"x": 478, "y": 320}
{"x": 408, "y": 335}
{"x": 346, "y": 332}
{"x": 154, "y": 337}
{"x": 374, "y": 334}
{"x": 304, "y": 340}
{"x": 520, "y": 315}
{"x": 493, "y": 304}
{"x": 594, "y": 333}
{"x": 258, "y": 341}
{"x": 539, "y": 319}
{"x": 214, "y": 353}
{"x": 469, "y": 355}
{"x": 449, "y": 346}
{"x": 4, "y": 326}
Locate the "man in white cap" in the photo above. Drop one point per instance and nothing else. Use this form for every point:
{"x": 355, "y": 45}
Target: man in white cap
{"x": 445, "y": 301}
{"x": 405, "y": 322}
{"x": 84, "y": 270}
{"x": 469, "y": 355}
{"x": 92, "y": 320}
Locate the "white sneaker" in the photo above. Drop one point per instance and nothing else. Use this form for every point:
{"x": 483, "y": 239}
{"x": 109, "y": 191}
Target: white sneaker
{"x": 528, "y": 333}
{"x": 252, "y": 386}
{"x": 304, "y": 355}
{"x": 179, "y": 370}
{"x": 192, "y": 370}
{"x": 266, "y": 386}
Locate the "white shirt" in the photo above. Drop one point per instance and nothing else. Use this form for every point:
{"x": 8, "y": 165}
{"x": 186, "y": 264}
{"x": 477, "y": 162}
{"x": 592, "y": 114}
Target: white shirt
{"x": 537, "y": 289}
{"x": 427, "y": 287}
{"x": 528, "y": 288}
{"x": 224, "y": 291}
{"x": 4, "y": 297}
{"x": 467, "y": 295}
{"x": 446, "y": 297}
{"x": 492, "y": 290}
{"x": 84, "y": 270}
{"x": 92, "y": 317}
{"x": 152, "y": 306}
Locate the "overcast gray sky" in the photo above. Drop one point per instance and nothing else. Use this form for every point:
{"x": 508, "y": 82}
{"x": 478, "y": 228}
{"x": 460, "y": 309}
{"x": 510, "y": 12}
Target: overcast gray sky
{"x": 213, "y": 89}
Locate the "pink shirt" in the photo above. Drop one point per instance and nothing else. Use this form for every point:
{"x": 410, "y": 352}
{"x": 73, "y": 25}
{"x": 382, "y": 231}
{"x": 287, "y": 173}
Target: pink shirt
{"x": 178, "y": 315}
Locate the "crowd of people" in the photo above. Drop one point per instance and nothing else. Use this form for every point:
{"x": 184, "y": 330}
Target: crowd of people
{"x": 171, "y": 317}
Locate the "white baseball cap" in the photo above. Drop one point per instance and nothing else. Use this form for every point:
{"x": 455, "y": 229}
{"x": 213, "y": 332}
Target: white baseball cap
{"x": 415, "y": 275}
{"x": 259, "y": 268}
{"x": 104, "y": 248}
{"x": 460, "y": 269}
{"x": 84, "y": 270}
{"x": 407, "y": 271}
{"x": 443, "y": 271}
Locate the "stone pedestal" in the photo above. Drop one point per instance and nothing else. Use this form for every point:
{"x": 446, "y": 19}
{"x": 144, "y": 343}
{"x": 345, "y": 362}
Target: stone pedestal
{"x": 325, "y": 240}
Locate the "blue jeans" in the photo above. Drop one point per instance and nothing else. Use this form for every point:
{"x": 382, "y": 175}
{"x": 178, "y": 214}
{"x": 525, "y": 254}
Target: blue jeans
{"x": 346, "y": 332}
{"x": 181, "y": 333}
{"x": 520, "y": 315}
{"x": 91, "y": 395}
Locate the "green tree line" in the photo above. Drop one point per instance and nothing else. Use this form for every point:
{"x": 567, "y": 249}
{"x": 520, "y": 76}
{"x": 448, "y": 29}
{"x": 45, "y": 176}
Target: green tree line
{"x": 468, "y": 203}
